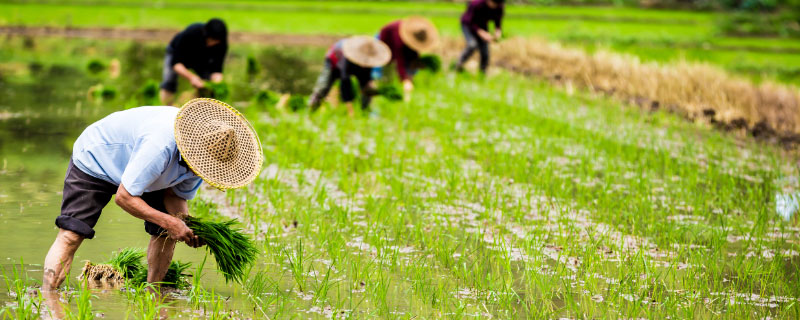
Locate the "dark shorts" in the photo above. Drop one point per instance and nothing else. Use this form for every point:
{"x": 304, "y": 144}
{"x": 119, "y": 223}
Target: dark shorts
{"x": 169, "y": 78}
{"x": 85, "y": 197}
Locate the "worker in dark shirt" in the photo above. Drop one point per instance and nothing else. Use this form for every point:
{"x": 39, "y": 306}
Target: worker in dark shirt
{"x": 475, "y": 25}
{"x": 200, "y": 48}
{"x": 354, "y": 56}
{"x": 407, "y": 38}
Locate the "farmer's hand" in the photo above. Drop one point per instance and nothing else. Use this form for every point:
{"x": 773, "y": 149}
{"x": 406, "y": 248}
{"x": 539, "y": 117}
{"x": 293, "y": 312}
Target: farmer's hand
{"x": 197, "y": 82}
{"x": 408, "y": 86}
{"x": 498, "y": 33}
{"x": 180, "y": 232}
{"x": 485, "y": 35}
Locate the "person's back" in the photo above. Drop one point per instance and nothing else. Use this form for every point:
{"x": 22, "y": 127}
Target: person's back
{"x": 134, "y": 147}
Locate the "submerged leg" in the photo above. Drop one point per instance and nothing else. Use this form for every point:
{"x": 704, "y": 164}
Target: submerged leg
{"x": 159, "y": 256}
{"x": 322, "y": 86}
{"x": 59, "y": 259}
{"x": 56, "y": 265}
{"x": 483, "y": 47}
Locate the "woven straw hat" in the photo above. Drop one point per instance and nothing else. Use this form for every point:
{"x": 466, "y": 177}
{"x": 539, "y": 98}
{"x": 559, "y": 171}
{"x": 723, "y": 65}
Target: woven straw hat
{"x": 366, "y": 51}
{"x": 218, "y": 143}
{"x": 419, "y": 33}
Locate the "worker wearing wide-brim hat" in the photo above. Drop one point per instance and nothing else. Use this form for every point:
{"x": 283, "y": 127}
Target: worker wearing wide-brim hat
{"x": 154, "y": 159}
{"x": 407, "y": 39}
{"x": 475, "y": 26}
{"x": 351, "y": 57}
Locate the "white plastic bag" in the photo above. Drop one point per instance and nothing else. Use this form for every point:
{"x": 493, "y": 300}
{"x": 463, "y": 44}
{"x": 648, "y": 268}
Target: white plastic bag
{"x": 787, "y": 204}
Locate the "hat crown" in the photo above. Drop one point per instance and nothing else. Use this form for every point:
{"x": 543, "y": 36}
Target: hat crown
{"x": 221, "y": 141}
{"x": 421, "y": 35}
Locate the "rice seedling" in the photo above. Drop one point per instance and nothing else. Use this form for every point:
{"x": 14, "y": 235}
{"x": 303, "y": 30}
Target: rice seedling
{"x": 25, "y": 305}
{"x": 145, "y": 302}
{"x": 123, "y": 265}
{"x": 232, "y": 250}
{"x": 84, "y": 304}
{"x": 390, "y": 91}
{"x": 174, "y": 278}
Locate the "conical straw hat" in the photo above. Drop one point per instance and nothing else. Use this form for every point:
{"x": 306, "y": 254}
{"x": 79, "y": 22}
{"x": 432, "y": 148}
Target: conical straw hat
{"x": 366, "y": 51}
{"x": 419, "y": 34}
{"x": 218, "y": 143}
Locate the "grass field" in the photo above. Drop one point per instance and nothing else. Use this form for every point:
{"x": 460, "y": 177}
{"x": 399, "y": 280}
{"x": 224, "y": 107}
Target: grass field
{"x": 653, "y": 35}
{"x": 482, "y": 197}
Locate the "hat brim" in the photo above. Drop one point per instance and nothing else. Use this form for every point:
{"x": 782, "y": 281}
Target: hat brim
{"x": 378, "y": 55}
{"x": 411, "y": 25}
{"x": 191, "y": 126}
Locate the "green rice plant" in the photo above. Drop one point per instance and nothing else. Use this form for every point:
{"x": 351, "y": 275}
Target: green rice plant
{"x": 84, "y": 302}
{"x": 266, "y": 98}
{"x": 145, "y": 302}
{"x": 149, "y": 91}
{"x": 430, "y": 62}
{"x": 296, "y": 102}
{"x": 124, "y": 265}
{"x": 231, "y": 249}
{"x": 216, "y": 90}
{"x": 390, "y": 91}
{"x": 253, "y": 68}
{"x": 24, "y": 306}
{"x": 95, "y": 66}
{"x": 295, "y": 257}
{"x": 174, "y": 278}
{"x": 128, "y": 262}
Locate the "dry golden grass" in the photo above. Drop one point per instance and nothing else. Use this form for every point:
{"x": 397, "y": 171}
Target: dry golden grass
{"x": 698, "y": 91}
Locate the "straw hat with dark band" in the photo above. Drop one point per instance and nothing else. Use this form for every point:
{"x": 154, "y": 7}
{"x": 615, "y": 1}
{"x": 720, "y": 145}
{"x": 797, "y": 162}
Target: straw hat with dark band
{"x": 419, "y": 34}
{"x": 366, "y": 51}
{"x": 218, "y": 143}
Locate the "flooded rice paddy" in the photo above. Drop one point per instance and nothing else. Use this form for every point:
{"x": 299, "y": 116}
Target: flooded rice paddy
{"x": 498, "y": 197}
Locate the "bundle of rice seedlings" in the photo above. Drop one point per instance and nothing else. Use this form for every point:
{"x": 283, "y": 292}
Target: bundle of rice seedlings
{"x": 125, "y": 264}
{"x": 232, "y": 250}
{"x": 390, "y": 92}
{"x": 128, "y": 262}
{"x": 175, "y": 277}
{"x": 100, "y": 272}
{"x": 430, "y": 62}
{"x": 215, "y": 90}
{"x": 296, "y": 102}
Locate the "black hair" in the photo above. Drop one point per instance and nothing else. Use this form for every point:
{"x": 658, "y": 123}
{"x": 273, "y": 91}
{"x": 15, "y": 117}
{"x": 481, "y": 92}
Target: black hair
{"x": 216, "y": 29}
{"x": 498, "y": 1}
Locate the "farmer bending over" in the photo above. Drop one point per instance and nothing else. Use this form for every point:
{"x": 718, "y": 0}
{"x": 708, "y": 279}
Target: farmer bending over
{"x": 475, "y": 26}
{"x": 354, "y": 56}
{"x": 407, "y": 38}
{"x": 153, "y": 159}
{"x": 200, "y": 47}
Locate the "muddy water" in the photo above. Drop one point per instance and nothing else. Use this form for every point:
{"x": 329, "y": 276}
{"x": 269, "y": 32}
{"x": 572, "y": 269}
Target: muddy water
{"x": 42, "y": 111}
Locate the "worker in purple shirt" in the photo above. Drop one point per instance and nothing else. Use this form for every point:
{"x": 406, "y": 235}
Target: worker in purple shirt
{"x": 352, "y": 57}
{"x": 407, "y": 38}
{"x": 475, "y": 26}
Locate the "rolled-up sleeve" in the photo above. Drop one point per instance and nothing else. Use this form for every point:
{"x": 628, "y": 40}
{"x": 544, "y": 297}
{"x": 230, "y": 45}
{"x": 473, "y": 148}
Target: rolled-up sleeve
{"x": 187, "y": 189}
{"x": 147, "y": 163}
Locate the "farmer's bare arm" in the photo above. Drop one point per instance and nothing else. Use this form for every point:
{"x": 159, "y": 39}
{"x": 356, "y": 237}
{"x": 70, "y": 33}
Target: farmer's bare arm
{"x": 176, "y": 228}
{"x": 188, "y": 74}
{"x": 485, "y": 35}
{"x": 216, "y": 77}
